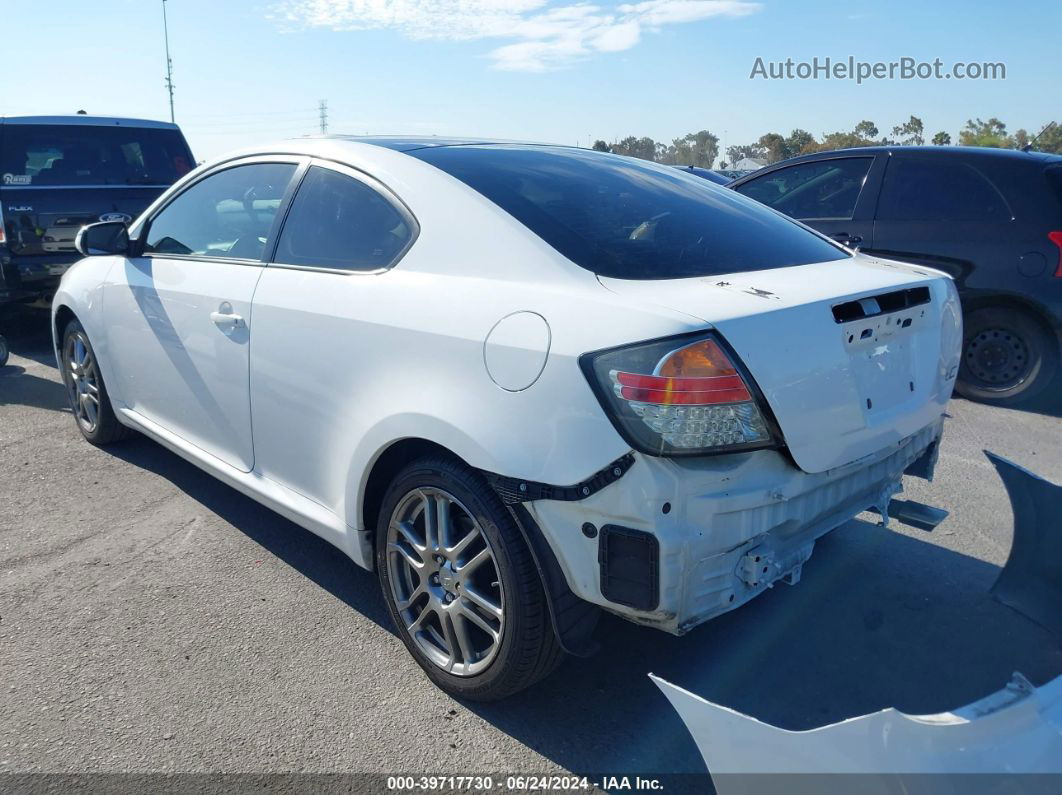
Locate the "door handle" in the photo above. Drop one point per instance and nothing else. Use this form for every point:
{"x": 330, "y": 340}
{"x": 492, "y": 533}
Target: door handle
{"x": 846, "y": 239}
{"x": 227, "y": 320}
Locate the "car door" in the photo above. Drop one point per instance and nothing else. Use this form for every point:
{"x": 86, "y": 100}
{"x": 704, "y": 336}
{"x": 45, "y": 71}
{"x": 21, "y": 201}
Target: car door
{"x": 943, "y": 212}
{"x": 834, "y": 195}
{"x": 179, "y": 314}
{"x": 321, "y": 315}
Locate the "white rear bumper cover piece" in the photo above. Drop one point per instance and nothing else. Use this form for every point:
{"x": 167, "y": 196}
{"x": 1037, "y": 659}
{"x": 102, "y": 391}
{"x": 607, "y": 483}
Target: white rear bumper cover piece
{"x": 728, "y": 527}
{"x": 1015, "y": 730}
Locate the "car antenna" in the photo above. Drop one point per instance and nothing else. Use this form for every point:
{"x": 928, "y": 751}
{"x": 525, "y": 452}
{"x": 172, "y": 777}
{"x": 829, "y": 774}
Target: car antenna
{"x": 1028, "y": 147}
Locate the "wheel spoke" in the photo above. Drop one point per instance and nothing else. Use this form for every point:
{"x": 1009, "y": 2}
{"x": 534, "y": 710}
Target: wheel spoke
{"x": 411, "y": 561}
{"x": 475, "y": 562}
{"x": 460, "y": 630}
{"x": 479, "y": 621}
{"x": 450, "y": 638}
{"x": 416, "y": 593}
{"x": 458, "y": 548}
{"x": 418, "y": 623}
{"x": 431, "y": 522}
{"x": 482, "y": 602}
{"x": 406, "y": 530}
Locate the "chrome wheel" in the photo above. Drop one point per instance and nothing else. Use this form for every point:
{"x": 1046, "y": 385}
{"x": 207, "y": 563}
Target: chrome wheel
{"x": 83, "y": 381}
{"x": 444, "y": 581}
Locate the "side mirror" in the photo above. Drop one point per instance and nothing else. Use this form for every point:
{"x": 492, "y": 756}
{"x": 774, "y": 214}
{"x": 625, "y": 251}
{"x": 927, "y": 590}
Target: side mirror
{"x": 106, "y": 237}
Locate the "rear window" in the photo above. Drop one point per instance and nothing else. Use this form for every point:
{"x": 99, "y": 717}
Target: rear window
{"x": 32, "y": 154}
{"x": 621, "y": 217}
{"x": 1054, "y": 177}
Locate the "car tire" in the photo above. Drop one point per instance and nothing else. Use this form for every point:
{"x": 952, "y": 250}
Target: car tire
{"x": 438, "y": 583}
{"x": 4, "y": 352}
{"x": 89, "y": 401}
{"x": 1008, "y": 357}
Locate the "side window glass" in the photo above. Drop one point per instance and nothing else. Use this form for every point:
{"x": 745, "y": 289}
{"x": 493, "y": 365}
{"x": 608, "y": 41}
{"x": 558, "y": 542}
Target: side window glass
{"x": 339, "y": 222}
{"x": 812, "y": 191}
{"x": 227, "y": 215}
{"x": 924, "y": 190}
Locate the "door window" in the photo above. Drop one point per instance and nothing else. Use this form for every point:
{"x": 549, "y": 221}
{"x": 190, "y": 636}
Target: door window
{"x": 339, "y": 222}
{"x": 919, "y": 189}
{"x": 822, "y": 190}
{"x": 228, "y": 215}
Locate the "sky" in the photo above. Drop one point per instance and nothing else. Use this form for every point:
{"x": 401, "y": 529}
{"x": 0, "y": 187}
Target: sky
{"x": 564, "y": 71}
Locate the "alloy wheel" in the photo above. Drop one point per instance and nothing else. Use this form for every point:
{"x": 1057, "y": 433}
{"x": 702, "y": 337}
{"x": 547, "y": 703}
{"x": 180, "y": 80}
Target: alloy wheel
{"x": 83, "y": 381}
{"x": 444, "y": 581}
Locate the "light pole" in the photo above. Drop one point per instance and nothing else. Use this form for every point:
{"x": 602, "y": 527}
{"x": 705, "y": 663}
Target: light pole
{"x": 169, "y": 61}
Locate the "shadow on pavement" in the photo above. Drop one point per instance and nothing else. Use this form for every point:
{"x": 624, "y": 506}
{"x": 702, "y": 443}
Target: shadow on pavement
{"x": 302, "y": 550}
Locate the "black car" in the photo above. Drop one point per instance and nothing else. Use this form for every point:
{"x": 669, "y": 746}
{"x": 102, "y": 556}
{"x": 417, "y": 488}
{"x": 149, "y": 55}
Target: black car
{"x": 58, "y": 173}
{"x": 707, "y": 173}
{"x": 991, "y": 218}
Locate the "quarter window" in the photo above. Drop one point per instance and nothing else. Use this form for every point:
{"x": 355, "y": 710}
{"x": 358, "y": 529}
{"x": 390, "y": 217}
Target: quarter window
{"x": 339, "y": 222}
{"x": 923, "y": 190}
{"x": 825, "y": 189}
{"x": 228, "y": 215}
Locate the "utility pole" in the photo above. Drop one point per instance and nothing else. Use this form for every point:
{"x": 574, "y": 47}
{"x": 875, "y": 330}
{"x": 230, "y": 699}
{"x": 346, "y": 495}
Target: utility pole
{"x": 169, "y": 61}
{"x": 322, "y": 109}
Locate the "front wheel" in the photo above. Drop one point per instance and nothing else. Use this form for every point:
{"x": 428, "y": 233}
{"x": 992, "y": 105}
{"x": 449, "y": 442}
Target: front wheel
{"x": 460, "y": 583}
{"x": 1008, "y": 358}
{"x": 89, "y": 401}
{"x": 3, "y": 351}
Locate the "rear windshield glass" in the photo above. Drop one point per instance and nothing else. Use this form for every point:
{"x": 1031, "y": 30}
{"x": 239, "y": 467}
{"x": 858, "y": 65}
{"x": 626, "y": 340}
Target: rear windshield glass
{"x": 32, "y": 154}
{"x": 622, "y": 217}
{"x": 1054, "y": 176}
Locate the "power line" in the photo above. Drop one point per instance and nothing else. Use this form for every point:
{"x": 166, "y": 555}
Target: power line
{"x": 323, "y": 110}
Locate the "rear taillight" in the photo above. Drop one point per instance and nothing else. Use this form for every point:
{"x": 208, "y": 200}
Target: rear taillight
{"x": 684, "y": 396}
{"x": 1056, "y": 238}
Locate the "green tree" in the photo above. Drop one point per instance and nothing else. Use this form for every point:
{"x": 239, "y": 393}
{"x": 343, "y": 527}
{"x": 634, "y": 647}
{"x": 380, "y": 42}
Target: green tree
{"x": 694, "y": 149}
{"x": 600, "y": 146}
{"x": 941, "y": 139}
{"x": 910, "y": 132}
{"x": 736, "y": 153}
{"x": 1049, "y": 139}
{"x": 643, "y": 147}
{"x": 985, "y": 133}
{"x": 798, "y": 142}
{"x": 774, "y": 147}
{"x": 865, "y": 129}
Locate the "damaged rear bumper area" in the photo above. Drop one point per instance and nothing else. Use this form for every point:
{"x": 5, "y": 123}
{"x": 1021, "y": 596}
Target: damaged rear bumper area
{"x": 1007, "y": 742}
{"x": 679, "y": 541}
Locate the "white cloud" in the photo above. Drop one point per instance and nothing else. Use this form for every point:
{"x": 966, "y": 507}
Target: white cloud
{"x": 543, "y": 34}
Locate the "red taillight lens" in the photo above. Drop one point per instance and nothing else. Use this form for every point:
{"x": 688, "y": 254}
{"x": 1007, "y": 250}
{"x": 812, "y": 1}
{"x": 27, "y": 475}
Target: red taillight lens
{"x": 666, "y": 397}
{"x": 1056, "y": 238}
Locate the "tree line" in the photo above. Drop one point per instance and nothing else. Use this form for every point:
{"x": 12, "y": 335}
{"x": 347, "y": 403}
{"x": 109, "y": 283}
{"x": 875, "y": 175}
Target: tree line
{"x": 702, "y": 148}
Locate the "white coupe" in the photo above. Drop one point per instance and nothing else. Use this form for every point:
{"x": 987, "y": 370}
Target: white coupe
{"x": 523, "y": 383}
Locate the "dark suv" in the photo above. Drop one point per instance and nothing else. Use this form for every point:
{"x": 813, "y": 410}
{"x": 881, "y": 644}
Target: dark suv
{"x": 58, "y": 173}
{"x": 991, "y": 218}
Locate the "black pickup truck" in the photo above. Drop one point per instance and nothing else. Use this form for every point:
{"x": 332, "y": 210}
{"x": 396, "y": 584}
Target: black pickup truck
{"x": 58, "y": 173}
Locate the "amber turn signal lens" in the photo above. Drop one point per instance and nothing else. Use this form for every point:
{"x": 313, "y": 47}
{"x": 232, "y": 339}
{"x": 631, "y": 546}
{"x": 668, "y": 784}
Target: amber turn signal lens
{"x": 704, "y": 359}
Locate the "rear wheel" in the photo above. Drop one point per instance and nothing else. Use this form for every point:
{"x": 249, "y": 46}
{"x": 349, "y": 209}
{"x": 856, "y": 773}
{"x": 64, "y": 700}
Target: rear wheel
{"x": 89, "y": 401}
{"x": 1008, "y": 357}
{"x": 3, "y": 351}
{"x": 460, "y": 583}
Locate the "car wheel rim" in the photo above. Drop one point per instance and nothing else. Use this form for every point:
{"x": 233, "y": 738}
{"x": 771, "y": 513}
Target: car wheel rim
{"x": 998, "y": 358}
{"x": 83, "y": 381}
{"x": 445, "y": 582}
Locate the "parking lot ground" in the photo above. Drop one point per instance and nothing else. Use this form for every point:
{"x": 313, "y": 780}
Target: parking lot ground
{"x": 152, "y": 619}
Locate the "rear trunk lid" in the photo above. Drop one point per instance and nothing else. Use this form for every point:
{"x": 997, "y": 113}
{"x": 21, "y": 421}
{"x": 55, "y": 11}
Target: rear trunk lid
{"x": 39, "y": 222}
{"x": 852, "y": 356}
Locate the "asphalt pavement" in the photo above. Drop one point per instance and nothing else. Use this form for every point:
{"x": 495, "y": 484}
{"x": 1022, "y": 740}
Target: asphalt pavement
{"x": 153, "y": 619}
